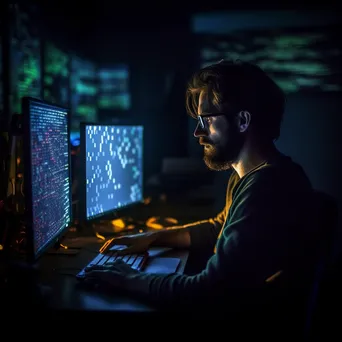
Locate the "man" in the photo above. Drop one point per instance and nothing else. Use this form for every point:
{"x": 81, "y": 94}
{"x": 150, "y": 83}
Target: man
{"x": 261, "y": 241}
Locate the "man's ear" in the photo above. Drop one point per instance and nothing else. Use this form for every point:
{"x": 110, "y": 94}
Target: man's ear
{"x": 244, "y": 120}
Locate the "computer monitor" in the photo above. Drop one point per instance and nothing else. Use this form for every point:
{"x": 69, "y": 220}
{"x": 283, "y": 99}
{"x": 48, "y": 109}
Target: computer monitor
{"x": 111, "y": 169}
{"x": 114, "y": 92}
{"x": 84, "y": 93}
{"x": 47, "y": 176}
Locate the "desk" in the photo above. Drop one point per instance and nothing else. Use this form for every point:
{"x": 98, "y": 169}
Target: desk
{"x": 58, "y": 273}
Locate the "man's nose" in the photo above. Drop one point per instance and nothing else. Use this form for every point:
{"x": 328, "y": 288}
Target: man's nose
{"x": 199, "y": 131}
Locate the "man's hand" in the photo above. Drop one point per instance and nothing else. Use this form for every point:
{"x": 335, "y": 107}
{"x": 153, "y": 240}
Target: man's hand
{"x": 136, "y": 244}
{"x": 109, "y": 275}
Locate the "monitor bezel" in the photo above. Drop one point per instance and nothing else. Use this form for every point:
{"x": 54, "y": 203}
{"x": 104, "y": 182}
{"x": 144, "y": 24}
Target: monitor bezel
{"x": 32, "y": 256}
{"x": 110, "y": 214}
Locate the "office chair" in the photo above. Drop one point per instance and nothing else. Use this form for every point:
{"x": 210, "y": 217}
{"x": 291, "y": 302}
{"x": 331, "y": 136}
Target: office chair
{"x": 326, "y": 213}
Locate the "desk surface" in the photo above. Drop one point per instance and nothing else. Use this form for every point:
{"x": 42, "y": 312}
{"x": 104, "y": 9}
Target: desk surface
{"x": 58, "y": 272}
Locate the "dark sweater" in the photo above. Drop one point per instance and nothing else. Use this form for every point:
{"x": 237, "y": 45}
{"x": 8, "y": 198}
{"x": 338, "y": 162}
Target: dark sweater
{"x": 262, "y": 243}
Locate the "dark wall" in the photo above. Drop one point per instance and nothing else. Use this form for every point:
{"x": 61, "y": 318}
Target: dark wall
{"x": 311, "y": 134}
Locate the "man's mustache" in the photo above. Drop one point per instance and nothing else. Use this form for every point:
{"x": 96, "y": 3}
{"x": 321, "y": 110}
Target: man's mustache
{"x": 205, "y": 142}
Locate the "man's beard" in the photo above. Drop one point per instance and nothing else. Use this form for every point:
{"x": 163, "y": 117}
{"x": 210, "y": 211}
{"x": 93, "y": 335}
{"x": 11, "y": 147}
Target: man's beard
{"x": 221, "y": 157}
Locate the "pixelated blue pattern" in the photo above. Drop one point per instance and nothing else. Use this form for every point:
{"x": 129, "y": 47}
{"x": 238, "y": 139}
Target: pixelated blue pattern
{"x": 114, "y": 167}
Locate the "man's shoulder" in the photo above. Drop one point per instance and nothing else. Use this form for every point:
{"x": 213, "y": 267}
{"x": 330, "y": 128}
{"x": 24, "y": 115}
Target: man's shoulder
{"x": 283, "y": 175}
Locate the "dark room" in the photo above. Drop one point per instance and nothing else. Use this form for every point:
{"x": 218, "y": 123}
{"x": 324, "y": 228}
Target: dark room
{"x": 179, "y": 161}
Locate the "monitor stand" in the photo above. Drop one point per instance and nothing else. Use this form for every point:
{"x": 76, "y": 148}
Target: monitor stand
{"x": 63, "y": 250}
{"x": 60, "y": 248}
{"x": 73, "y": 244}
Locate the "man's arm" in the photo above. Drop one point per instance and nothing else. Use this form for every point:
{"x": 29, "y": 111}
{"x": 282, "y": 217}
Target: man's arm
{"x": 197, "y": 235}
{"x": 181, "y": 236}
{"x": 173, "y": 237}
{"x": 249, "y": 251}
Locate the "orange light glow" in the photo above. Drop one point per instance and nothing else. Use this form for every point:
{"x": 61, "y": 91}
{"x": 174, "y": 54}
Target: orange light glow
{"x": 147, "y": 200}
{"x": 118, "y": 225}
{"x": 152, "y": 223}
{"x": 101, "y": 237}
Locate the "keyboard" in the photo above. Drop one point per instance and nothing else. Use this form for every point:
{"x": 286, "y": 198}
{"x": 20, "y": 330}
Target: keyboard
{"x": 136, "y": 261}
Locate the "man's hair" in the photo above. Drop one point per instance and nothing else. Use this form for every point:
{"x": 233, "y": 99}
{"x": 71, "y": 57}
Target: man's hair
{"x": 243, "y": 86}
